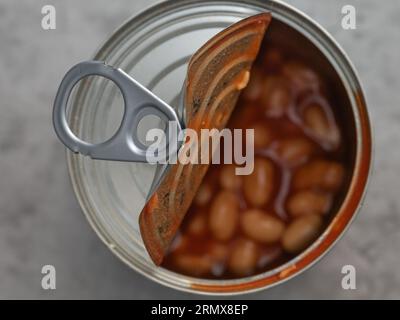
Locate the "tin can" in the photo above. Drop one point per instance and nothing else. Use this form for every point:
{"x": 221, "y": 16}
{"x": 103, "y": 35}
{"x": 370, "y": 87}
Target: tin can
{"x": 154, "y": 47}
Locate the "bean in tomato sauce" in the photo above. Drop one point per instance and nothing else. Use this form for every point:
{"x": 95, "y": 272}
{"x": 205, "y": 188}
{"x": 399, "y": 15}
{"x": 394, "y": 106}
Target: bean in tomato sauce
{"x": 243, "y": 225}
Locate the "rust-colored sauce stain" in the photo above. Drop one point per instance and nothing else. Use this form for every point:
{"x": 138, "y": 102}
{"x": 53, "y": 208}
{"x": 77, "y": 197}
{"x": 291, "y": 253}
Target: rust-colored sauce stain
{"x": 216, "y": 74}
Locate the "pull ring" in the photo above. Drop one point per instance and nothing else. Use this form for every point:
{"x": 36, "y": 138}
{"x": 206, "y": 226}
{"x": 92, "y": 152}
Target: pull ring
{"x": 139, "y": 102}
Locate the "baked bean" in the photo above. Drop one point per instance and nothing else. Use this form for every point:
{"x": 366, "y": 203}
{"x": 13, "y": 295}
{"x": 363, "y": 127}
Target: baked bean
{"x": 194, "y": 265}
{"x": 316, "y": 120}
{"x": 262, "y": 136}
{"x": 262, "y": 227}
{"x": 218, "y": 252}
{"x": 203, "y": 195}
{"x": 309, "y": 202}
{"x": 276, "y": 97}
{"x": 323, "y": 174}
{"x": 258, "y": 185}
{"x": 224, "y": 215}
{"x": 229, "y": 179}
{"x": 294, "y": 151}
{"x": 301, "y": 77}
{"x": 197, "y": 225}
{"x": 243, "y": 258}
{"x": 301, "y": 232}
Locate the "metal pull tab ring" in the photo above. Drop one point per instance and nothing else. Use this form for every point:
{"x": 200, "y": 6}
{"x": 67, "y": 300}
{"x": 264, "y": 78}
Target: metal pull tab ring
{"x": 124, "y": 145}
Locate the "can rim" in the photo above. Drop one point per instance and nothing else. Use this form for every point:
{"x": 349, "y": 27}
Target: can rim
{"x": 358, "y": 183}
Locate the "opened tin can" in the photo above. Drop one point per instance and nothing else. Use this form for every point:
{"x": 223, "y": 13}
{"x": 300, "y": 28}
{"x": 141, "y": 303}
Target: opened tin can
{"x": 154, "y": 47}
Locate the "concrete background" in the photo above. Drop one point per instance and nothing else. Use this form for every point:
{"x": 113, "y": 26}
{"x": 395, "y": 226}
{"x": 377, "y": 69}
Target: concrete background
{"x": 41, "y": 222}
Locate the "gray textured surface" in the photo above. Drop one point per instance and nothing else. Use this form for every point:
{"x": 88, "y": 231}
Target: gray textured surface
{"x": 41, "y": 222}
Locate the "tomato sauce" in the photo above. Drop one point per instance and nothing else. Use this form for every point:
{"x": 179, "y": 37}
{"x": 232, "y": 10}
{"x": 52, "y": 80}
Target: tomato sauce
{"x": 243, "y": 225}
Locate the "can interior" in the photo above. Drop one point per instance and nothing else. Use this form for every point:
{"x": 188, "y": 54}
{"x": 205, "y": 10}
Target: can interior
{"x": 281, "y": 35}
{"x": 111, "y": 193}
{"x": 297, "y": 47}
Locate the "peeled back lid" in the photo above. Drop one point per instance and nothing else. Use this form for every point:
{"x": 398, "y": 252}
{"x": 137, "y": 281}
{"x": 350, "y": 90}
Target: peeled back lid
{"x": 217, "y": 73}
